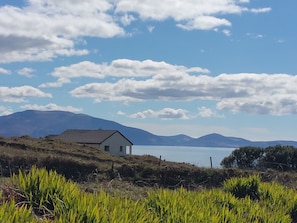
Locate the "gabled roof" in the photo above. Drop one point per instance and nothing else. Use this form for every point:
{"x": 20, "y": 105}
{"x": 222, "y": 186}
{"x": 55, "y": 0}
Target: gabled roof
{"x": 87, "y": 136}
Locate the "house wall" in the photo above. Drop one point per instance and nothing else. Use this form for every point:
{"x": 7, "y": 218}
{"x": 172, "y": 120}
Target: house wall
{"x": 115, "y": 142}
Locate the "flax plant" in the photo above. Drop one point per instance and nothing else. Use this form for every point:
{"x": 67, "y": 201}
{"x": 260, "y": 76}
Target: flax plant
{"x": 47, "y": 197}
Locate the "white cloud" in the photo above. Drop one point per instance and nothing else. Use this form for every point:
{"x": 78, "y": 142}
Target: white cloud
{"x": 118, "y": 68}
{"x": 165, "y": 113}
{"x": 150, "y": 28}
{"x": 204, "y": 23}
{"x": 261, "y": 10}
{"x": 4, "y": 71}
{"x": 17, "y": 47}
{"x": 255, "y": 35}
{"x": 127, "y": 19}
{"x": 42, "y": 30}
{"x": 51, "y": 107}
{"x": 18, "y": 94}
{"x": 59, "y": 83}
{"x": 26, "y": 71}
{"x": 121, "y": 113}
{"x": 244, "y": 1}
{"x": 5, "y": 110}
{"x": 189, "y": 15}
{"x": 245, "y": 92}
{"x": 275, "y": 105}
{"x": 82, "y": 69}
{"x": 208, "y": 113}
{"x": 227, "y": 32}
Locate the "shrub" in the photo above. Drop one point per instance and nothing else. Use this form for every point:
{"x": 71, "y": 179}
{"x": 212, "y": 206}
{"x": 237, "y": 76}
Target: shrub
{"x": 242, "y": 187}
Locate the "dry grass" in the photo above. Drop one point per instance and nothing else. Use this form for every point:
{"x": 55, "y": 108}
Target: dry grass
{"x": 95, "y": 169}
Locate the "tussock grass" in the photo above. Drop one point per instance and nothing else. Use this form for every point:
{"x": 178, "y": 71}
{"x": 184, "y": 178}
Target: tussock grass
{"x": 45, "y": 196}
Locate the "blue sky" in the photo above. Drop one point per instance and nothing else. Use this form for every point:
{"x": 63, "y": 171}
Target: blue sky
{"x": 169, "y": 67}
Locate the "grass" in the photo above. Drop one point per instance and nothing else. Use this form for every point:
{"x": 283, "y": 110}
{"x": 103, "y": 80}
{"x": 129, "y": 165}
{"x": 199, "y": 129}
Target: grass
{"x": 44, "y": 196}
{"x": 145, "y": 184}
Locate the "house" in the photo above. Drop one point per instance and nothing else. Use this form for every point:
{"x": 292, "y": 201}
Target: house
{"x": 111, "y": 141}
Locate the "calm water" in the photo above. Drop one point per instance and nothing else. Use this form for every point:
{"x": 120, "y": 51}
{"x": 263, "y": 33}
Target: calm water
{"x": 199, "y": 156}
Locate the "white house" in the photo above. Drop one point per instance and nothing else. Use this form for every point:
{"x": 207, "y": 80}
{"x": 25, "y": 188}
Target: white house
{"x": 111, "y": 141}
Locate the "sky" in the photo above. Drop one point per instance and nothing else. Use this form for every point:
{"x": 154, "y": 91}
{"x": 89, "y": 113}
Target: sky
{"x": 169, "y": 67}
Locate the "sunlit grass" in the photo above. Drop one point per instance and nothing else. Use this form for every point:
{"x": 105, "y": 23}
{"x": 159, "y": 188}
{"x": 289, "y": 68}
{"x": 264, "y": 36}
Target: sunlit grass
{"x": 45, "y": 196}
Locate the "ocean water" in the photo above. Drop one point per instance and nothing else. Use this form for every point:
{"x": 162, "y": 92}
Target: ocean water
{"x": 199, "y": 156}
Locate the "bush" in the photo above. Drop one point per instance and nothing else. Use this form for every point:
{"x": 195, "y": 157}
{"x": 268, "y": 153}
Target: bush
{"x": 276, "y": 157}
{"x": 242, "y": 187}
{"x": 245, "y": 158}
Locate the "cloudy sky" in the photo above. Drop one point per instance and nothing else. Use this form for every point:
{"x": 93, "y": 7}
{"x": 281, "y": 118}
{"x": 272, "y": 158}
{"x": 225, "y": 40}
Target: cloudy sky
{"x": 169, "y": 67}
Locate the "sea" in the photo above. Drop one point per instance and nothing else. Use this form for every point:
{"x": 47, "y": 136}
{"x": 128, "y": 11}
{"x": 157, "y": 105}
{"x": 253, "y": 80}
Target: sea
{"x": 198, "y": 156}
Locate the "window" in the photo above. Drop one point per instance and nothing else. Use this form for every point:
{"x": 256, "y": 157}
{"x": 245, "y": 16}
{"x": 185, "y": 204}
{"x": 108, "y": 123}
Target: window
{"x": 106, "y": 148}
{"x": 121, "y": 148}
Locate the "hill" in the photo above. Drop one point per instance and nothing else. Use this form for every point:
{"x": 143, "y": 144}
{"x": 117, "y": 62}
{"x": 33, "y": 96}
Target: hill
{"x": 93, "y": 167}
{"x": 42, "y": 123}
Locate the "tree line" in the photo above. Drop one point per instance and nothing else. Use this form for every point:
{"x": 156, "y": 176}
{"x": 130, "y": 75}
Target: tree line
{"x": 277, "y": 157}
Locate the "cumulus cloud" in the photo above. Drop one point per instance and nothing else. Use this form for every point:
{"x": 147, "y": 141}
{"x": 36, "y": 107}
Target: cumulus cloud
{"x": 42, "y": 30}
{"x": 165, "y": 113}
{"x": 65, "y": 74}
{"x": 127, "y": 19}
{"x": 19, "y": 94}
{"x": 227, "y": 32}
{"x": 4, "y": 71}
{"x": 243, "y": 92}
{"x": 208, "y": 113}
{"x": 5, "y": 110}
{"x": 118, "y": 68}
{"x": 26, "y": 71}
{"x": 189, "y": 15}
{"x": 51, "y": 107}
{"x": 121, "y": 113}
{"x": 204, "y": 23}
{"x": 22, "y": 47}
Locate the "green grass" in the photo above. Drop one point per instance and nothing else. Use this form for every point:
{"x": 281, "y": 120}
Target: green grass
{"x": 45, "y": 196}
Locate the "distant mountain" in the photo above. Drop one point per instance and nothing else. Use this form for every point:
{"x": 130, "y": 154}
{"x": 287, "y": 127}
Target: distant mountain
{"x": 217, "y": 140}
{"x": 43, "y": 123}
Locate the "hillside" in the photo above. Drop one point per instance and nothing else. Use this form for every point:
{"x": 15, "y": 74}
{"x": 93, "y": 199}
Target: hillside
{"x": 43, "y": 123}
{"x": 95, "y": 167}
{"x": 85, "y": 164}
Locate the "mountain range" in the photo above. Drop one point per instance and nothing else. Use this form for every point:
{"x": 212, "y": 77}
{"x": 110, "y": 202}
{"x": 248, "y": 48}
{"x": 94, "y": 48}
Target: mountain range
{"x": 43, "y": 123}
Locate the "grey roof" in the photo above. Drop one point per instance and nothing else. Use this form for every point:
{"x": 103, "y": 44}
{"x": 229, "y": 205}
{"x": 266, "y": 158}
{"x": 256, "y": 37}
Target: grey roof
{"x": 87, "y": 136}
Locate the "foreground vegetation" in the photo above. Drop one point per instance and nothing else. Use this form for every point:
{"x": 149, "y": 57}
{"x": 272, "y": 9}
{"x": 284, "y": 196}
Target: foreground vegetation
{"x": 45, "y": 196}
{"x": 75, "y": 183}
